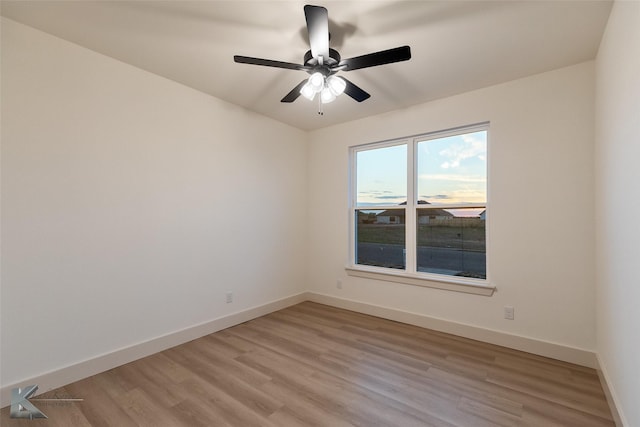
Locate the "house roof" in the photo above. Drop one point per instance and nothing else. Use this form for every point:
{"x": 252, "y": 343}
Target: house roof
{"x": 421, "y": 212}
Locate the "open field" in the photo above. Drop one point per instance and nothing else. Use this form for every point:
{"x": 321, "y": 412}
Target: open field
{"x": 455, "y": 247}
{"x": 437, "y": 236}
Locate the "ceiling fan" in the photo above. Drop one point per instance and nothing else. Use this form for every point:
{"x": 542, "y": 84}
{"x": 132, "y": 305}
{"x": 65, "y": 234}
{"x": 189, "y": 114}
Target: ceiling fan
{"x": 322, "y": 63}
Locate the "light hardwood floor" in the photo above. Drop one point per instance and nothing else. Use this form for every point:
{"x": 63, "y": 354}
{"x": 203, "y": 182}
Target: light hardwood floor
{"x": 314, "y": 365}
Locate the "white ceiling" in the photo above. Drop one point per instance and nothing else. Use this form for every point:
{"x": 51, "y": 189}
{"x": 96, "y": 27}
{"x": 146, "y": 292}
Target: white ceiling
{"x": 456, "y": 46}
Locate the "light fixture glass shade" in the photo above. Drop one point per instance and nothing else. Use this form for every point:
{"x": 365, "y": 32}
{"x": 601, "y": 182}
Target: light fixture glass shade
{"x": 336, "y": 85}
{"x": 327, "y": 95}
{"x": 308, "y": 91}
{"x": 316, "y": 81}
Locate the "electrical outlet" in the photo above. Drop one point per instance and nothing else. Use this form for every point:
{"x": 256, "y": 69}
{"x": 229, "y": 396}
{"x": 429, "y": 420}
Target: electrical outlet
{"x": 229, "y": 297}
{"x": 508, "y": 312}
{"x": 339, "y": 284}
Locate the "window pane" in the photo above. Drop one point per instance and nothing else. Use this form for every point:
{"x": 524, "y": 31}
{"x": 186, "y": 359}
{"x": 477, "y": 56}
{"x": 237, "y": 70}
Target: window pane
{"x": 380, "y": 238}
{"x": 452, "y": 242}
{"x": 381, "y": 176}
{"x": 453, "y": 169}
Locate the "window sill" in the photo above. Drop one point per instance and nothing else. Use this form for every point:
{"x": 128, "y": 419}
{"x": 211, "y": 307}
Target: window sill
{"x": 449, "y": 283}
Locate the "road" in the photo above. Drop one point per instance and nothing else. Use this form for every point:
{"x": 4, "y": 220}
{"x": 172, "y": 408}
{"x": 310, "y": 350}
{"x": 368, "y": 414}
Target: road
{"x": 430, "y": 259}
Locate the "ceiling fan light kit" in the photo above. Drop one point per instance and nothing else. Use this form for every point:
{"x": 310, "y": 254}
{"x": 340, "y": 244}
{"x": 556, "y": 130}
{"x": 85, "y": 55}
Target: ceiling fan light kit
{"x": 322, "y": 63}
{"x": 328, "y": 87}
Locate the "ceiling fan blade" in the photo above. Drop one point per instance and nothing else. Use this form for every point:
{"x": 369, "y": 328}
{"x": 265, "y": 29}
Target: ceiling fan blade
{"x": 268, "y": 63}
{"x": 295, "y": 92}
{"x": 377, "y": 58}
{"x": 318, "y": 28}
{"x": 354, "y": 91}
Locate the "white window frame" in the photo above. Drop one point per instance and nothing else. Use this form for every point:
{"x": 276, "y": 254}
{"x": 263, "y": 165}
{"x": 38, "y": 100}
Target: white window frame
{"x": 410, "y": 275}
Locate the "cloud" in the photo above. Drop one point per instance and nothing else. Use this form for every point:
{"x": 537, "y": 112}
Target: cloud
{"x": 469, "y": 148}
{"x": 452, "y": 177}
{"x": 389, "y": 197}
{"x": 458, "y": 195}
{"x": 380, "y": 194}
{"x": 435, "y": 197}
{"x": 382, "y": 197}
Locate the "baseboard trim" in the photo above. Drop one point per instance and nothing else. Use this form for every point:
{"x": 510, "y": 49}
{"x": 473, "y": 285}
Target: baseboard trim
{"x": 530, "y": 345}
{"x": 610, "y": 394}
{"x": 66, "y": 375}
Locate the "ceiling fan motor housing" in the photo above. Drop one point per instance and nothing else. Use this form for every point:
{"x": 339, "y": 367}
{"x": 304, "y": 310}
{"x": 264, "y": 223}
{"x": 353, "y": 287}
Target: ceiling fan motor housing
{"x": 327, "y": 63}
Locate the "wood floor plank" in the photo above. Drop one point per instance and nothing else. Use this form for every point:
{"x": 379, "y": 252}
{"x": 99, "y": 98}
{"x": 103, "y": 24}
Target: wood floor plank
{"x": 196, "y": 413}
{"x": 251, "y": 397}
{"x": 537, "y": 407}
{"x": 216, "y": 405}
{"x": 356, "y": 404}
{"x": 314, "y": 365}
{"x": 98, "y": 406}
{"x": 227, "y": 365}
{"x": 285, "y": 417}
{"x": 145, "y": 411}
{"x": 490, "y": 413}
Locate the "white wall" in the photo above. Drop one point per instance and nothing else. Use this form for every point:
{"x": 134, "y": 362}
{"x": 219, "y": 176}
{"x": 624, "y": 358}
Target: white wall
{"x": 541, "y": 219}
{"x": 618, "y": 206}
{"x": 130, "y": 204}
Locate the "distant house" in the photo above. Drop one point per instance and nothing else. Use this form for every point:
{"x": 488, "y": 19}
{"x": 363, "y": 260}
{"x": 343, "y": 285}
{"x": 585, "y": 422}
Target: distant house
{"x": 426, "y": 215}
{"x": 397, "y": 216}
{"x": 390, "y": 217}
{"x": 366, "y": 217}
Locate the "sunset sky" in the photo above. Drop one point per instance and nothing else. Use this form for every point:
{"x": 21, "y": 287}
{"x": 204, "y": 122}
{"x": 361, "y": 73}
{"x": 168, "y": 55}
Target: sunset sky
{"x": 449, "y": 170}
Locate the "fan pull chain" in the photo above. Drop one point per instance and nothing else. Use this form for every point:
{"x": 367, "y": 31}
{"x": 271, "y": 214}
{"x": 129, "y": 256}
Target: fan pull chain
{"x": 320, "y": 62}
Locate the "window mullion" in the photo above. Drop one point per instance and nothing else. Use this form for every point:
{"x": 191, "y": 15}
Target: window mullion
{"x": 410, "y": 213}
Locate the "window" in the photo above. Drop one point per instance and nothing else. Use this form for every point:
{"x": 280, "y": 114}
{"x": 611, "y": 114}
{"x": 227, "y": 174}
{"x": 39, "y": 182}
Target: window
{"x": 419, "y": 206}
